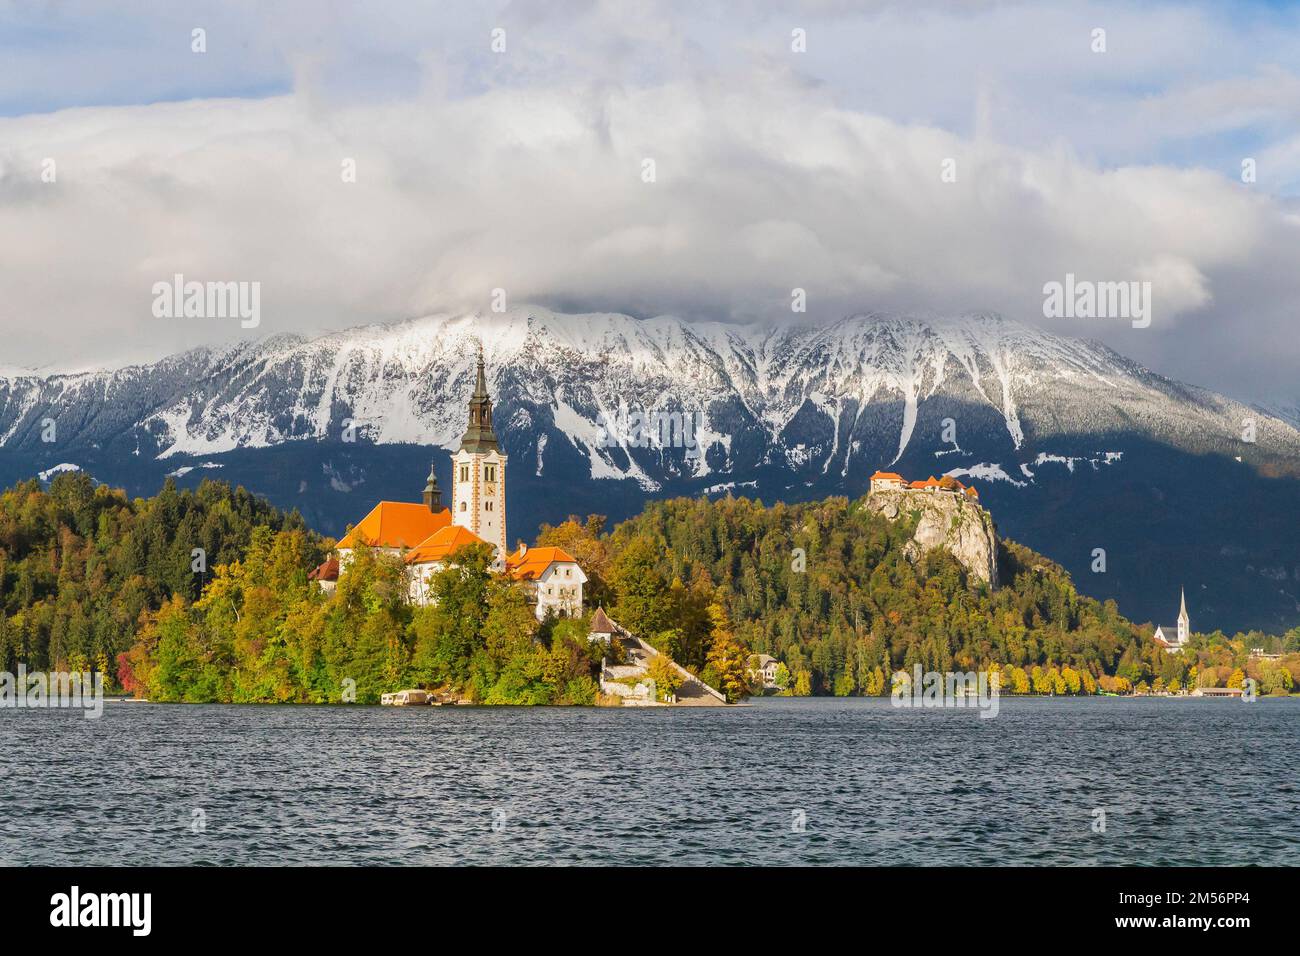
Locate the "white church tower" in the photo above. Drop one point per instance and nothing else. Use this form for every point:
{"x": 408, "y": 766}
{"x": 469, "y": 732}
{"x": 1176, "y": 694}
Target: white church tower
{"x": 478, "y": 472}
{"x": 1183, "y": 620}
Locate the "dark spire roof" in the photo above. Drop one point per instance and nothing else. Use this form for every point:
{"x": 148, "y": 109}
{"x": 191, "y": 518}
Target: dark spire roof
{"x": 432, "y": 493}
{"x": 479, "y": 436}
{"x": 480, "y": 386}
{"x": 600, "y": 623}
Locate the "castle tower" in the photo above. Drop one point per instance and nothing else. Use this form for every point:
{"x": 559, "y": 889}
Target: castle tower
{"x": 478, "y": 472}
{"x": 1183, "y": 620}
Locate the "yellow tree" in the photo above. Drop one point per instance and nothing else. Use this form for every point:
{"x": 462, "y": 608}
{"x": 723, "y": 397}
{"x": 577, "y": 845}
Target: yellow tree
{"x": 666, "y": 677}
{"x": 727, "y": 656}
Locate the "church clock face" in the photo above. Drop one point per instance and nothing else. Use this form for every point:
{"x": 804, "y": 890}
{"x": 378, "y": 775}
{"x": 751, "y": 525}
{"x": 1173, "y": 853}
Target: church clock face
{"x": 490, "y": 489}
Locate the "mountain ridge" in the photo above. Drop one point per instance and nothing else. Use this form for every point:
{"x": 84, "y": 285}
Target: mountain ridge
{"x": 785, "y": 412}
{"x": 772, "y": 370}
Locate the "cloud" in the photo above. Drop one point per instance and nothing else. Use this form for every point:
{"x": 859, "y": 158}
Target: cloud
{"x": 527, "y": 173}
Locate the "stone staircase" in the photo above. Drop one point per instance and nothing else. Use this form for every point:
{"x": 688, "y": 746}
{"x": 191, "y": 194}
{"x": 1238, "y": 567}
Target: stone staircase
{"x": 693, "y": 692}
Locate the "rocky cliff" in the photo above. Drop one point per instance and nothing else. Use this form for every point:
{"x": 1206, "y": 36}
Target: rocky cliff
{"x": 950, "y": 521}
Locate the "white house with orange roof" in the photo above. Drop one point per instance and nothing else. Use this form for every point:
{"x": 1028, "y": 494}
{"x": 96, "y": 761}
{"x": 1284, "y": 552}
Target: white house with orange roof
{"x": 552, "y": 577}
{"x": 883, "y": 480}
{"x": 432, "y": 555}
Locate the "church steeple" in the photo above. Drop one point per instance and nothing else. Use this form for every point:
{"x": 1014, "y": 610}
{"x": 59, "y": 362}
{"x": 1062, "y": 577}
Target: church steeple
{"x": 432, "y": 494}
{"x": 1184, "y": 623}
{"x": 479, "y": 436}
{"x": 478, "y": 471}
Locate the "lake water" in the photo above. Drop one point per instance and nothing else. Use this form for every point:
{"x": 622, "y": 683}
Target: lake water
{"x": 785, "y": 781}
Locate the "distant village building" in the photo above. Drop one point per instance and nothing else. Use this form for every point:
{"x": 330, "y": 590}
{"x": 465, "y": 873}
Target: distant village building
{"x": 1174, "y": 639}
{"x": 762, "y": 669}
{"x": 426, "y": 535}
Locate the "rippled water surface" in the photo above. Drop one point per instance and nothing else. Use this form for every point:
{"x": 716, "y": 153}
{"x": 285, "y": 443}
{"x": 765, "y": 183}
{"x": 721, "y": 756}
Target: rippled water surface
{"x": 1181, "y": 782}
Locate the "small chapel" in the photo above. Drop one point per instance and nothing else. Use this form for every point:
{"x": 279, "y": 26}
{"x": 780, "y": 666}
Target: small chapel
{"x": 426, "y": 535}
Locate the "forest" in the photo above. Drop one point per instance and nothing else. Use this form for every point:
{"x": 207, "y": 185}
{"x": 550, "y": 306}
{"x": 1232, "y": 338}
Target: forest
{"x": 827, "y": 589}
{"x": 203, "y": 596}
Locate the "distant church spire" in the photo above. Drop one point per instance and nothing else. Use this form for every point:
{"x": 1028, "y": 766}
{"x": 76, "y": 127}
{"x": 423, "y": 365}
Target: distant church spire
{"x": 1184, "y": 623}
{"x": 479, "y": 436}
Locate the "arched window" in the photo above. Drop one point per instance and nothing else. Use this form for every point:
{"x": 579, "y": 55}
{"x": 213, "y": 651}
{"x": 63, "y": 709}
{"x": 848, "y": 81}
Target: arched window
{"x": 462, "y": 506}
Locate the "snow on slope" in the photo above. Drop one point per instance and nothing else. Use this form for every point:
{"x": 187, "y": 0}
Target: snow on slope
{"x": 406, "y": 383}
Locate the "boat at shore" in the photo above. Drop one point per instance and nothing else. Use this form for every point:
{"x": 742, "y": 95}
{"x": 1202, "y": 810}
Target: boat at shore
{"x": 406, "y": 698}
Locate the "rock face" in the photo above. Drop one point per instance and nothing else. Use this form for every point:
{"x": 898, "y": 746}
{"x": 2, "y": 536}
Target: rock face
{"x": 953, "y": 522}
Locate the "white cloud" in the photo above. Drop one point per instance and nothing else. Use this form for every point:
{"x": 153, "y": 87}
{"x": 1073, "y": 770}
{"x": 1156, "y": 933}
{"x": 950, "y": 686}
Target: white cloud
{"x": 526, "y": 174}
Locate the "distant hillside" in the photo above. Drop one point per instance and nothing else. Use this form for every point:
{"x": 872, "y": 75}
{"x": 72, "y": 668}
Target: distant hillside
{"x": 79, "y": 565}
{"x": 840, "y": 593}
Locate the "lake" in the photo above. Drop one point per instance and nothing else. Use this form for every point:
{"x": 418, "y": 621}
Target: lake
{"x": 784, "y": 781}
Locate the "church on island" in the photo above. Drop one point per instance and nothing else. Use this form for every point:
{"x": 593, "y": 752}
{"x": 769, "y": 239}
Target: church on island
{"x": 426, "y": 534}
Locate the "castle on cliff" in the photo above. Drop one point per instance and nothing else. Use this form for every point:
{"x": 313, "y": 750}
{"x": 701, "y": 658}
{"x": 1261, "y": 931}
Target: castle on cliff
{"x": 891, "y": 481}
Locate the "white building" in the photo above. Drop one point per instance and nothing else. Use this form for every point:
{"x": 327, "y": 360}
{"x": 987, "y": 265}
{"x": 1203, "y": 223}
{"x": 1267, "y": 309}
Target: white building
{"x": 552, "y": 577}
{"x": 762, "y": 668}
{"x": 886, "y": 480}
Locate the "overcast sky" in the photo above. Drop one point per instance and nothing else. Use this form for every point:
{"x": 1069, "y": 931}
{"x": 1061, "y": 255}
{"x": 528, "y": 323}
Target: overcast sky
{"x": 774, "y": 169}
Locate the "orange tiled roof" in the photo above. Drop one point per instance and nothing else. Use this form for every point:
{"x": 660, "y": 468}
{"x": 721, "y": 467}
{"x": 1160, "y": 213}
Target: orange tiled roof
{"x": 443, "y": 542}
{"x": 972, "y": 492}
{"x": 887, "y": 475}
{"x": 396, "y": 524}
{"x": 530, "y": 565}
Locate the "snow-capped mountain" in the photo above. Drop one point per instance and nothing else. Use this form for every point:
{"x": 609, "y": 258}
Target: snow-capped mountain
{"x": 599, "y": 411}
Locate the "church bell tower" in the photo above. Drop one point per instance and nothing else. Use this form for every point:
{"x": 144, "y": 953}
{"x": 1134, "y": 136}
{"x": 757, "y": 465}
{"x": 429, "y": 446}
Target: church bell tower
{"x": 478, "y": 472}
